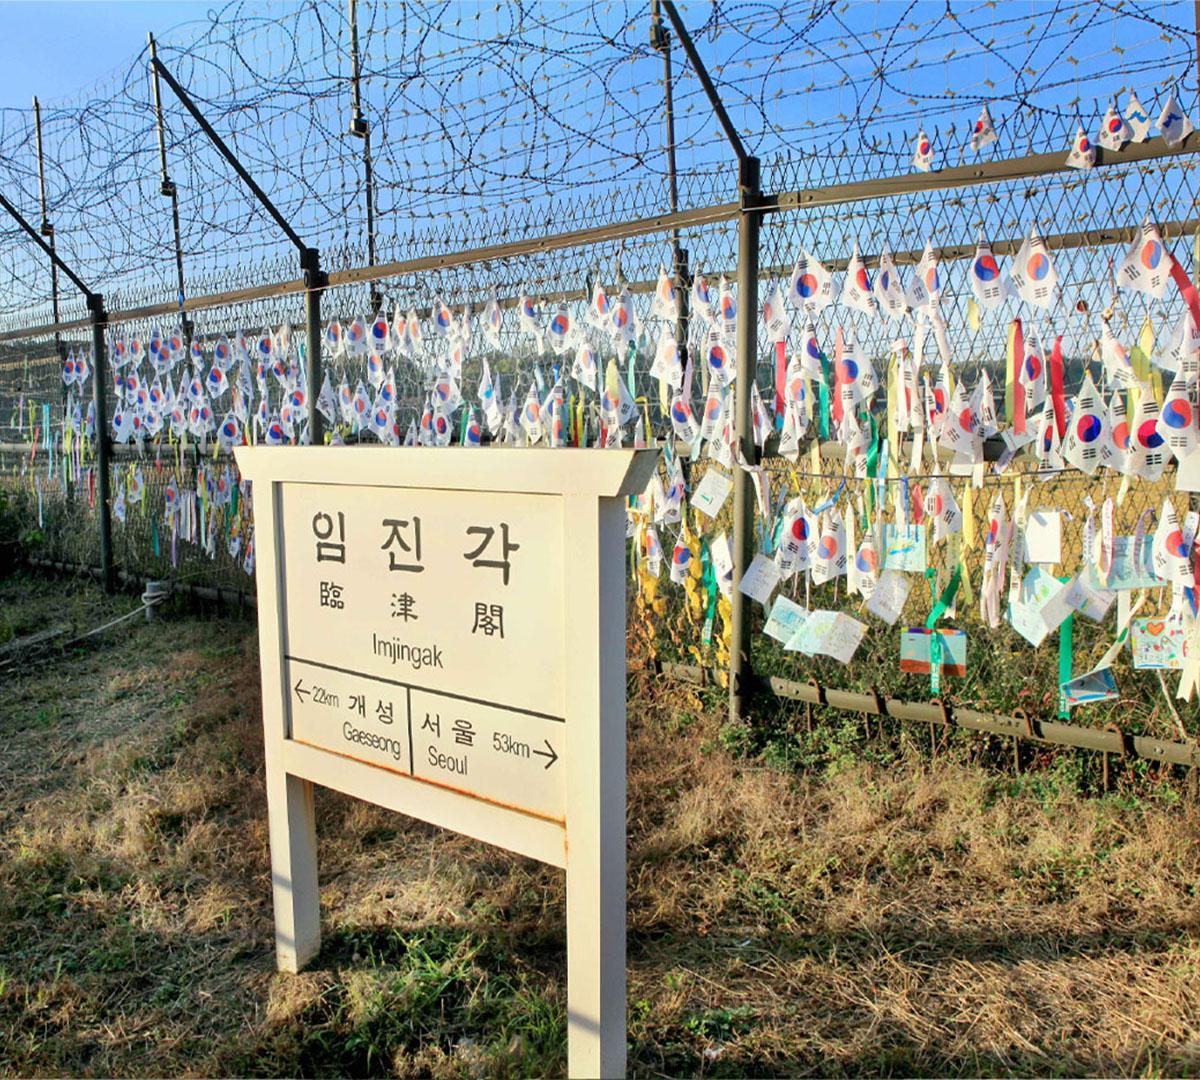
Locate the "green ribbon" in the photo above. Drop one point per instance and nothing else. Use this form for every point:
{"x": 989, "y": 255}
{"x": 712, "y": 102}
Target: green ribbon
{"x": 1066, "y": 649}
{"x": 873, "y": 452}
{"x": 631, "y": 378}
{"x": 823, "y": 387}
{"x": 872, "y": 466}
{"x": 940, "y": 607}
{"x": 709, "y": 577}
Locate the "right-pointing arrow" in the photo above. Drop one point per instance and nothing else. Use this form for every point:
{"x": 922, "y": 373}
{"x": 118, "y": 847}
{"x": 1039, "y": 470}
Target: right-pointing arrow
{"x": 551, "y": 756}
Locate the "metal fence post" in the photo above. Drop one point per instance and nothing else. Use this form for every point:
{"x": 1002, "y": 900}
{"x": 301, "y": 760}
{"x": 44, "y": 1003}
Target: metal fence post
{"x": 750, "y": 189}
{"x": 747, "y": 364}
{"x": 360, "y": 128}
{"x": 310, "y": 260}
{"x": 95, "y": 303}
{"x": 314, "y": 283}
{"x": 168, "y": 190}
{"x": 661, "y": 41}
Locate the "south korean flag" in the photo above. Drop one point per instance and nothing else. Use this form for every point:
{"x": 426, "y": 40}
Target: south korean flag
{"x": 798, "y": 539}
{"x": 1172, "y": 550}
{"x": 960, "y": 430}
{"x": 830, "y": 559}
{"x": 887, "y": 288}
{"x": 1112, "y": 455}
{"x": 987, "y": 285}
{"x": 811, "y": 286}
{"x": 1087, "y": 431}
{"x": 776, "y": 320}
{"x": 1177, "y": 422}
{"x": 925, "y": 286}
{"x": 1148, "y": 453}
{"x": 1147, "y": 266}
{"x": 1082, "y": 154}
{"x": 1032, "y": 374}
{"x": 1033, "y": 276}
{"x": 856, "y": 292}
{"x": 1115, "y": 132}
{"x": 941, "y": 505}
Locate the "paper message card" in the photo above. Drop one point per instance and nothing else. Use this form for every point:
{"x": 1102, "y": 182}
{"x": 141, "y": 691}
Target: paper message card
{"x": 1158, "y": 644}
{"x": 1125, "y": 574}
{"x": 1089, "y": 602}
{"x": 711, "y": 492}
{"x": 904, "y": 548}
{"x": 1041, "y": 607}
{"x": 914, "y": 650}
{"x": 786, "y": 618}
{"x": 722, "y": 560}
{"x": 810, "y": 635}
{"x": 1043, "y": 537}
{"x": 890, "y": 595}
{"x": 1089, "y": 688}
{"x": 760, "y": 579}
{"x": 843, "y": 637}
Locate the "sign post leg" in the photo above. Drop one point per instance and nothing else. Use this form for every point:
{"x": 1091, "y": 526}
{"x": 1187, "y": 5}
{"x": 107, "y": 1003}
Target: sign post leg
{"x": 293, "y": 869}
{"x": 293, "y": 827}
{"x": 595, "y": 536}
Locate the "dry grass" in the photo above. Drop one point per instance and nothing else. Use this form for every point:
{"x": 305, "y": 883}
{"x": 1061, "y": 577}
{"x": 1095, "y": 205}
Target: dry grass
{"x": 917, "y": 917}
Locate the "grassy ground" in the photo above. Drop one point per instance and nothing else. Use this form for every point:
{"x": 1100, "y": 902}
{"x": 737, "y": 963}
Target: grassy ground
{"x": 816, "y": 904}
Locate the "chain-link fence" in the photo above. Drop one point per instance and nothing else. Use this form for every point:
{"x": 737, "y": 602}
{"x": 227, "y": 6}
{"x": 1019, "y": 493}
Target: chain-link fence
{"x": 521, "y": 200}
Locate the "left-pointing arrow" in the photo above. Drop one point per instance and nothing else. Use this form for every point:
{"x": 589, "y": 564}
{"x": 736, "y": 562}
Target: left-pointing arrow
{"x": 299, "y": 688}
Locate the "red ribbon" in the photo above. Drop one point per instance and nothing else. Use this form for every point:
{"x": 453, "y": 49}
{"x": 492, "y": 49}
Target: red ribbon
{"x": 1018, "y": 359}
{"x": 1057, "y": 394}
{"x": 780, "y": 377}
{"x": 1185, "y": 286}
{"x": 1190, "y": 295}
{"x": 839, "y": 354}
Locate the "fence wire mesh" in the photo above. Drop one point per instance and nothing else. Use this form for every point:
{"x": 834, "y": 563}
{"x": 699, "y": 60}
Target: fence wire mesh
{"x": 526, "y": 121}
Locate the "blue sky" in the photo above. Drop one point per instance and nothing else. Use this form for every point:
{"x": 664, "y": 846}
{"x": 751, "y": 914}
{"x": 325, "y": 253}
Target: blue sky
{"x": 56, "y": 49}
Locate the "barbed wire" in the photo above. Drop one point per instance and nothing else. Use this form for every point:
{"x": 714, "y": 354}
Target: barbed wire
{"x": 526, "y": 118}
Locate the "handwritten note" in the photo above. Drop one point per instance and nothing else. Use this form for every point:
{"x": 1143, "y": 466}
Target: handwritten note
{"x": 711, "y": 492}
{"x": 890, "y": 595}
{"x": 722, "y": 558}
{"x": 1089, "y": 602}
{"x": 760, "y": 579}
{"x": 843, "y": 638}
{"x": 915, "y": 642}
{"x": 829, "y": 633}
{"x": 904, "y": 548}
{"x": 1041, "y": 606}
{"x": 785, "y": 619}
{"x": 1158, "y": 644}
{"x": 810, "y": 635}
{"x": 1126, "y": 573}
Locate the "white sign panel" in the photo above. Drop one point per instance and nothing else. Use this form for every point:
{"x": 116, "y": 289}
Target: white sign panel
{"x": 442, "y": 632}
{"x": 424, "y": 634}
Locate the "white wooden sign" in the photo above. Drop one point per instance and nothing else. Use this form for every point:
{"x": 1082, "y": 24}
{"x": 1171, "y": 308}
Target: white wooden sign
{"x": 442, "y": 632}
